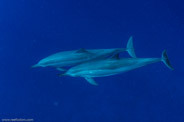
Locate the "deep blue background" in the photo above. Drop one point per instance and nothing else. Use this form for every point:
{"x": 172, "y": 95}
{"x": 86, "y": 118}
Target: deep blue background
{"x": 33, "y": 29}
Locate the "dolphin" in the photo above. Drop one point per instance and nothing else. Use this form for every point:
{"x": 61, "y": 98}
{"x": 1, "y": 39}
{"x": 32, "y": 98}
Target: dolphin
{"x": 75, "y": 57}
{"x": 101, "y": 68}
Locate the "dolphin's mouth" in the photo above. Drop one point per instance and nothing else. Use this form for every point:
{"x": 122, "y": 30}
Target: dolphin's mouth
{"x": 62, "y": 74}
{"x": 34, "y": 66}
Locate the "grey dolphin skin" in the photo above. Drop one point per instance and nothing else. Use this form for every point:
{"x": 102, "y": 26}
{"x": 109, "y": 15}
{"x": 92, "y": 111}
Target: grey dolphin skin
{"x": 112, "y": 66}
{"x": 75, "y": 57}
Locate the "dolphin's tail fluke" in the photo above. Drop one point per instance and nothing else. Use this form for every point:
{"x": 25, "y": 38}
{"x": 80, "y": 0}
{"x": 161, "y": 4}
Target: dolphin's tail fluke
{"x": 166, "y": 60}
{"x": 130, "y": 47}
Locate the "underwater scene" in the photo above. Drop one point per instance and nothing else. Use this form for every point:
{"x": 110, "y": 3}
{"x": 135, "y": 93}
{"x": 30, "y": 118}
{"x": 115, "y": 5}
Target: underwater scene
{"x": 91, "y": 61}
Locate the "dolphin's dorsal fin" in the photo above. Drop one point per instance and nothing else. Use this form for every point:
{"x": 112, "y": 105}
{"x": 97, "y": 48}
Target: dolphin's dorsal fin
{"x": 91, "y": 81}
{"x": 130, "y": 47}
{"x": 81, "y": 50}
{"x": 116, "y": 56}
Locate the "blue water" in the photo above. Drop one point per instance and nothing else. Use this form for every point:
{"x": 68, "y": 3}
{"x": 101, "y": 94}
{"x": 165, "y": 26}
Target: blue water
{"x": 33, "y": 29}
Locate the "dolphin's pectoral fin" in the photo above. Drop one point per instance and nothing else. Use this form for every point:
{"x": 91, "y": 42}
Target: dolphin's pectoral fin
{"x": 91, "y": 81}
{"x": 60, "y": 69}
{"x": 81, "y": 50}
